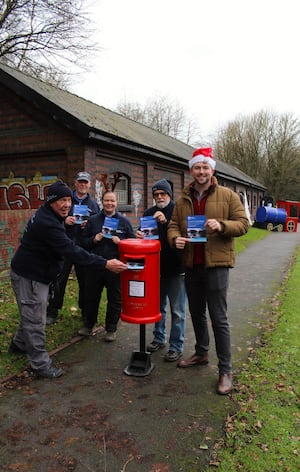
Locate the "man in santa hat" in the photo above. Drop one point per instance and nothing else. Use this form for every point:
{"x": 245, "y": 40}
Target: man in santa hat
{"x": 207, "y": 263}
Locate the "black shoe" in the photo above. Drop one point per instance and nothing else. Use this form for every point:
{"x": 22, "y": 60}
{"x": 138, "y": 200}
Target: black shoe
{"x": 155, "y": 346}
{"x": 110, "y": 336}
{"x": 52, "y": 312}
{"x": 14, "y": 349}
{"x": 50, "y": 373}
{"x": 172, "y": 356}
{"x": 50, "y": 320}
{"x": 85, "y": 331}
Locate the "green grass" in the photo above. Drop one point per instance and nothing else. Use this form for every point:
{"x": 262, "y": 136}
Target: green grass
{"x": 253, "y": 235}
{"x": 62, "y": 331}
{"x": 264, "y": 435}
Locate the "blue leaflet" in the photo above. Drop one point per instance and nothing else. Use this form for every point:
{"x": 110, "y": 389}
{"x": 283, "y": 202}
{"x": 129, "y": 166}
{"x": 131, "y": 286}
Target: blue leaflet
{"x": 196, "y": 231}
{"x": 148, "y": 226}
{"x": 110, "y": 227}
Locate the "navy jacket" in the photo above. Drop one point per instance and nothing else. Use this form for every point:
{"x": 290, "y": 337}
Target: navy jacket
{"x": 170, "y": 258}
{"x": 43, "y": 246}
{"x": 106, "y": 247}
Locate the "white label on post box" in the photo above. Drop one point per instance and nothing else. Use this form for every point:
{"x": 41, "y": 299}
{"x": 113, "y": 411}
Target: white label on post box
{"x": 136, "y": 289}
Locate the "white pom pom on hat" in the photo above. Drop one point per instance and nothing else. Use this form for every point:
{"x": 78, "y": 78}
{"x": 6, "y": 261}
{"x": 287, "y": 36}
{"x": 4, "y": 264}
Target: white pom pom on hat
{"x": 203, "y": 155}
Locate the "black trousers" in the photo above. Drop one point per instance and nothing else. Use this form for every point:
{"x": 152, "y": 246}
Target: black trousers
{"x": 57, "y": 291}
{"x": 95, "y": 281}
{"x": 208, "y": 288}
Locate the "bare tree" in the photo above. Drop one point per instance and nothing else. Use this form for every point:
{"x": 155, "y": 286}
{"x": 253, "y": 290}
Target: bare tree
{"x": 265, "y": 146}
{"x": 163, "y": 115}
{"x": 43, "y": 37}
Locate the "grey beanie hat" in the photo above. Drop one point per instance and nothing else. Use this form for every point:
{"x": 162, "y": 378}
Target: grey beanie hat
{"x": 56, "y": 191}
{"x": 164, "y": 185}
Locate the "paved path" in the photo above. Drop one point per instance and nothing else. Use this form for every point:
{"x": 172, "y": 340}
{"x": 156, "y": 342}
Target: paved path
{"x": 96, "y": 418}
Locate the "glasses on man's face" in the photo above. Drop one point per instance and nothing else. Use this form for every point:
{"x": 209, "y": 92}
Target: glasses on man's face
{"x": 159, "y": 194}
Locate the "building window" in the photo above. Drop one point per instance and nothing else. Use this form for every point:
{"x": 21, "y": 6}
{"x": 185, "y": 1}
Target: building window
{"x": 254, "y": 201}
{"x": 120, "y": 184}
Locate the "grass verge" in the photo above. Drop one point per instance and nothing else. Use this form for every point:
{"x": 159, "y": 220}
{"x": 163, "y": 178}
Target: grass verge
{"x": 264, "y": 435}
{"x": 66, "y": 327}
{"x": 253, "y": 235}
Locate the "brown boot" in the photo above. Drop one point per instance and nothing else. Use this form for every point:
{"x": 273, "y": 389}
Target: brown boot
{"x": 194, "y": 360}
{"x": 225, "y": 384}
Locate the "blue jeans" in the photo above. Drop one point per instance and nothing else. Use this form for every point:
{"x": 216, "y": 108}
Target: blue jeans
{"x": 172, "y": 287}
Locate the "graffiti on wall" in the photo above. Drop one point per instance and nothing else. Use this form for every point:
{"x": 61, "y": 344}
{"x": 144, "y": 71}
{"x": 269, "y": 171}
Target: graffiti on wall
{"x": 136, "y": 197}
{"x": 98, "y": 193}
{"x": 18, "y": 194}
{"x": 11, "y": 230}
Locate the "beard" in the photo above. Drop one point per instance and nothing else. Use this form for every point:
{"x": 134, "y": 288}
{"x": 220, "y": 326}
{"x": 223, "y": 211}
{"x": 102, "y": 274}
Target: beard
{"x": 162, "y": 205}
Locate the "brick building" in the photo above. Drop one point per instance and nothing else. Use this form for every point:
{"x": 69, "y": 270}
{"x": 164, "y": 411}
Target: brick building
{"x": 47, "y": 133}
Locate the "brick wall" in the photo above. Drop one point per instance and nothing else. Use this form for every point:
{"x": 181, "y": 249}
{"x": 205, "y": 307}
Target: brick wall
{"x": 12, "y": 224}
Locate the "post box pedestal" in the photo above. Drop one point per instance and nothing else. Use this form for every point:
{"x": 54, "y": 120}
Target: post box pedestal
{"x": 140, "y": 290}
{"x": 140, "y": 363}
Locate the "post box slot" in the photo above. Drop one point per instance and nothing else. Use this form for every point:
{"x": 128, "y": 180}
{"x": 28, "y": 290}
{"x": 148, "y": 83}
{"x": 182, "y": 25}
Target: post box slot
{"x": 135, "y": 264}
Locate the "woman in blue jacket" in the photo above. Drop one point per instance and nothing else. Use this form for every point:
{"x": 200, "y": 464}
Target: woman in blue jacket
{"x": 101, "y": 236}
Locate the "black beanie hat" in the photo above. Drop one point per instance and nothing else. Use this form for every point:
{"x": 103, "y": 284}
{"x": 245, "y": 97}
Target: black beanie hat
{"x": 164, "y": 185}
{"x": 56, "y": 191}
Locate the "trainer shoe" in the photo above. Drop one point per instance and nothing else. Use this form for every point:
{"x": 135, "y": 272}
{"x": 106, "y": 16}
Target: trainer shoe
{"x": 172, "y": 356}
{"x": 50, "y": 373}
{"x": 110, "y": 336}
{"x": 155, "y": 346}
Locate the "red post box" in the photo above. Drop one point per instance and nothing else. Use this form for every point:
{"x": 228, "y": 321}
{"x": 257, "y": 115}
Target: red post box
{"x": 140, "y": 290}
{"x": 140, "y": 284}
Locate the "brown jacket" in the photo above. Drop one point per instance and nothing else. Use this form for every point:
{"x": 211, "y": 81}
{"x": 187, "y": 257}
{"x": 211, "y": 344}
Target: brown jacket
{"x": 223, "y": 205}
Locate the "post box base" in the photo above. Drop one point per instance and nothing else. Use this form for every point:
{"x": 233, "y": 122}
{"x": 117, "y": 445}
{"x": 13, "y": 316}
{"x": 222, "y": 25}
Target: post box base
{"x": 140, "y": 364}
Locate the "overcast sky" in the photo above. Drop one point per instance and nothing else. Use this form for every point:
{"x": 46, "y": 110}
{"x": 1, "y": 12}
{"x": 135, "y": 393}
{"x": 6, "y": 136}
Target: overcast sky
{"x": 217, "y": 58}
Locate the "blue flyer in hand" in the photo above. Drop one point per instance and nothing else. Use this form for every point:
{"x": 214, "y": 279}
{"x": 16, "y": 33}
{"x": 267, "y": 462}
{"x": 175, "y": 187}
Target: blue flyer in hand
{"x": 148, "y": 226}
{"x": 81, "y": 213}
{"x": 110, "y": 227}
{"x": 196, "y": 231}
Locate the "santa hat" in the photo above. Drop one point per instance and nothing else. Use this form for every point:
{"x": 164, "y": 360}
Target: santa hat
{"x": 203, "y": 155}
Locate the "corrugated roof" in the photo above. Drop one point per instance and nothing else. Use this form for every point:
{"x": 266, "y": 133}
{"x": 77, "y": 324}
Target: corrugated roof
{"x": 97, "y": 120}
